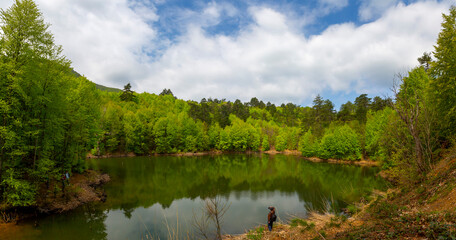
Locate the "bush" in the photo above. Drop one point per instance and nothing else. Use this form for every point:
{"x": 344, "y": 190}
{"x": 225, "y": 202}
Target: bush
{"x": 281, "y": 141}
{"x": 18, "y": 192}
{"x": 308, "y": 145}
{"x": 342, "y": 143}
{"x": 265, "y": 143}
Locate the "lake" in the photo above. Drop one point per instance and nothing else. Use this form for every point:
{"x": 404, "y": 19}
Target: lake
{"x": 155, "y": 196}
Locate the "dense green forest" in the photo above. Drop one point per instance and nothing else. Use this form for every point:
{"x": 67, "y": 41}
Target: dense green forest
{"x": 52, "y": 117}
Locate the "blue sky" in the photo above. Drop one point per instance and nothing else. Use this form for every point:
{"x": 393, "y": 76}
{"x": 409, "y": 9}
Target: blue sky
{"x": 279, "y": 51}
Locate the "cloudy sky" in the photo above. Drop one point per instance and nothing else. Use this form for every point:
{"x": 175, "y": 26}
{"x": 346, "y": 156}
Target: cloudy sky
{"x": 276, "y": 50}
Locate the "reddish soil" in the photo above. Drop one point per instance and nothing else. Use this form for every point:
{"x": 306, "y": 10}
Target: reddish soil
{"x": 83, "y": 188}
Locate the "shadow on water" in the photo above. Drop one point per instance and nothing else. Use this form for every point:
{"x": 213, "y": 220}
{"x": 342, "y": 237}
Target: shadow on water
{"x": 147, "y": 194}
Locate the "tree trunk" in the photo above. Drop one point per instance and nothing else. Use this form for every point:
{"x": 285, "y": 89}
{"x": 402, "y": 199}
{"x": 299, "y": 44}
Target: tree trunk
{"x": 1, "y": 163}
{"x": 2, "y": 156}
{"x": 419, "y": 151}
{"x": 219, "y": 230}
{"x": 34, "y": 155}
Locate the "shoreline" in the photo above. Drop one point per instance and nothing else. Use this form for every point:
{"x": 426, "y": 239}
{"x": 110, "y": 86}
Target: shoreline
{"x": 82, "y": 189}
{"x": 362, "y": 162}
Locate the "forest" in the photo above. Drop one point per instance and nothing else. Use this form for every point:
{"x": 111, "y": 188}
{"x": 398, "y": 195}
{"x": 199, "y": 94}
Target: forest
{"x": 51, "y": 117}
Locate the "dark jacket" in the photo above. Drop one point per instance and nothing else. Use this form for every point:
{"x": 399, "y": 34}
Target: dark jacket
{"x": 270, "y": 214}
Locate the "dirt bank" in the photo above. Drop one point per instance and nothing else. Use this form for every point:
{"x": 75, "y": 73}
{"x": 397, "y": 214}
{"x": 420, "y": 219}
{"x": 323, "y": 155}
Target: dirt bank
{"x": 82, "y": 188}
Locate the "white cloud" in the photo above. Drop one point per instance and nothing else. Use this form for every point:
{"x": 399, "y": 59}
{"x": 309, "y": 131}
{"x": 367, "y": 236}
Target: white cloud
{"x": 110, "y": 42}
{"x": 371, "y": 9}
{"x": 273, "y": 62}
{"x": 333, "y": 4}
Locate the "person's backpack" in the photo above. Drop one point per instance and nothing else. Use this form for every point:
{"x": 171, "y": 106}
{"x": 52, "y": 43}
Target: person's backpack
{"x": 274, "y": 217}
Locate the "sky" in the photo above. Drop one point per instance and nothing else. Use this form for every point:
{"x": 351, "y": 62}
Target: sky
{"x": 276, "y": 50}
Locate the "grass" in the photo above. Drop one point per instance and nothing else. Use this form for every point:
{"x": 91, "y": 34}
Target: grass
{"x": 8, "y": 217}
{"x": 303, "y": 223}
{"x": 256, "y": 234}
{"x": 421, "y": 225}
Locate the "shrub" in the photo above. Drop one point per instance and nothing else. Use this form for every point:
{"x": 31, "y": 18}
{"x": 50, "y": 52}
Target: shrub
{"x": 342, "y": 143}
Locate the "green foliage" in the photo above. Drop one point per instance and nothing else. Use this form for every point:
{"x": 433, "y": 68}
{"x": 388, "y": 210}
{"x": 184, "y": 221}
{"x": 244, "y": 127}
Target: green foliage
{"x": 265, "y": 143}
{"x": 396, "y": 222}
{"x": 214, "y": 136}
{"x": 288, "y": 138}
{"x": 18, "y": 192}
{"x": 341, "y": 143}
{"x": 336, "y": 221}
{"x": 225, "y": 142}
{"x": 128, "y": 94}
{"x": 300, "y": 222}
{"x": 414, "y": 108}
{"x": 376, "y": 125}
{"x": 352, "y": 209}
{"x": 256, "y": 234}
{"x": 444, "y": 73}
{"x": 281, "y": 141}
{"x": 323, "y": 114}
{"x": 362, "y": 104}
{"x": 239, "y": 136}
{"x": 49, "y": 115}
{"x": 347, "y": 112}
{"x": 308, "y": 145}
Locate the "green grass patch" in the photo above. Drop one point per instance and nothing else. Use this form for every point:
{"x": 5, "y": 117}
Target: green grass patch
{"x": 256, "y": 234}
{"x": 300, "y": 222}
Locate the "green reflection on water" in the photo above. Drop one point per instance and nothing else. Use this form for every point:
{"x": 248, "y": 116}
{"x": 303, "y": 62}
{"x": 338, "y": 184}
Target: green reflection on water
{"x": 146, "y": 191}
{"x": 144, "y": 181}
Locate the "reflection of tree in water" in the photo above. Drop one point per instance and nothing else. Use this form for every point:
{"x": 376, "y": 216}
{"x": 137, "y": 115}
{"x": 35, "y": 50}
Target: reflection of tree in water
{"x": 146, "y": 181}
{"x": 74, "y": 225}
{"x": 95, "y": 219}
{"x": 128, "y": 208}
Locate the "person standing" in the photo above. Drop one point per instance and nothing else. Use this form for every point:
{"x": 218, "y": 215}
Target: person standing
{"x": 62, "y": 179}
{"x": 271, "y": 217}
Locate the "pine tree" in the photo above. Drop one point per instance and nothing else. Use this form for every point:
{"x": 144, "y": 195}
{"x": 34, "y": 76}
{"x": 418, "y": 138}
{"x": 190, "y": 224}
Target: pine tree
{"x": 127, "y": 94}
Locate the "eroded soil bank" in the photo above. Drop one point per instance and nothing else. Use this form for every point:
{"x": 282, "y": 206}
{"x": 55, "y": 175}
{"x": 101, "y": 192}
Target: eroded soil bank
{"x": 81, "y": 189}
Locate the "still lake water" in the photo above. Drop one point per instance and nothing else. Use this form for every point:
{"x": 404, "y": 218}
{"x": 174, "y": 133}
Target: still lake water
{"x": 147, "y": 195}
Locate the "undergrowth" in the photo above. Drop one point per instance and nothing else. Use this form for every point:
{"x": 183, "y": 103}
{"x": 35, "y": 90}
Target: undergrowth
{"x": 390, "y": 221}
{"x": 256, "y": 234}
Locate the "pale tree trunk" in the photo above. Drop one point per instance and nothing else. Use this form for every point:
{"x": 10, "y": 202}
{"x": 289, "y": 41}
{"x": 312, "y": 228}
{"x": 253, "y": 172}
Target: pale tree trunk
{"x": 410, "y": 114}
{"x": 418, "y": 150}
{"x": 1, "y": 163}
{"x": 2, "y": 156}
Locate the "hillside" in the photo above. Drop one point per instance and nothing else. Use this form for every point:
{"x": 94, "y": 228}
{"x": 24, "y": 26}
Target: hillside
{"x": 107, "y": 89}
{"x": 100, "y": 87}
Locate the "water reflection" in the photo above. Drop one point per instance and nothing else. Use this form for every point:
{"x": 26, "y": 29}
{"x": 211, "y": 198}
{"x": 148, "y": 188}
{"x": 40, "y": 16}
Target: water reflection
{"x": 149, "y": 195}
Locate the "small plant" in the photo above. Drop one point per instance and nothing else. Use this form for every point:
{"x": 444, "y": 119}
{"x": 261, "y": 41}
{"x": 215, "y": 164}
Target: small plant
{"x": 352, "y": 209}
{"x": 421, "y": 189}
{"x": 383, "y": 209}
{"x": 337, "y": 221}
{"x": 8, "y": 217}
{"x": 298, "y": 222}
{"x": 256, "y": 234}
